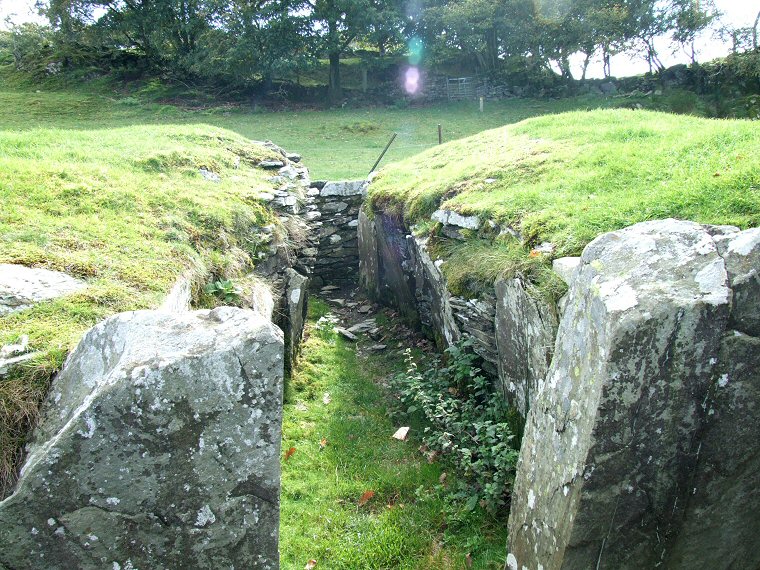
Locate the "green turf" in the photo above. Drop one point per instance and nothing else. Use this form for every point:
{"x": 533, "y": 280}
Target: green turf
{"x": 127, "y": 210}
{"x": 567, "y": 178}
{"x": 335, "y": 143}
{"x": 408, "y": 523}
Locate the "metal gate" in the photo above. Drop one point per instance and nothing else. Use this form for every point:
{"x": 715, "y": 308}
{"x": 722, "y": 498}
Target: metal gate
{"x": 460, "y": 88}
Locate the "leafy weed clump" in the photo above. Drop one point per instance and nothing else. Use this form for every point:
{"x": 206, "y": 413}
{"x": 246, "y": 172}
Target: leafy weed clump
{"x": 466, "y": 422}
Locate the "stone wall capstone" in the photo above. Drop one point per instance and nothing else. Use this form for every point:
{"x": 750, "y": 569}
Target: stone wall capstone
{"x": 158, "y": 447}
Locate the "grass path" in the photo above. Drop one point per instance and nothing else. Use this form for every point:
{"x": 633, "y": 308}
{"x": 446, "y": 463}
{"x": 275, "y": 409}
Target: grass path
{"x": 343, "y": 449}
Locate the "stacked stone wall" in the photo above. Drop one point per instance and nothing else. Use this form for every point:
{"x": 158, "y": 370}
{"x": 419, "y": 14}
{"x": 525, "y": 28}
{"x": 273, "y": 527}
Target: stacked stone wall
{"x": 333, "y": 212}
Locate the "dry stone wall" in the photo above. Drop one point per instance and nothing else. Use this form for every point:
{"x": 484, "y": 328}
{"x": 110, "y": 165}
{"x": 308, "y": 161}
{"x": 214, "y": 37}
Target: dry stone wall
{"x": 334, "y": 212}
{"x": 511, "y": 331}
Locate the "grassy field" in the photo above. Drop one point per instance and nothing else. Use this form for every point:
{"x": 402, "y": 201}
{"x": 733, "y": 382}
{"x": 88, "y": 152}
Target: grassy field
{"x": 344, "y": 449}
{"x": 127, "y": 210}
{"x": 335, "y": 143}
{"x": 566, "y": 179}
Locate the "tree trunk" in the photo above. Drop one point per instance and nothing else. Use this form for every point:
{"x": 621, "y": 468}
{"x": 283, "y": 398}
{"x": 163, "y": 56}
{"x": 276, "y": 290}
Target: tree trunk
{"x": 754, "y": 31}
{"x": 586, "y": 62}
{"x": 334, "y": 91}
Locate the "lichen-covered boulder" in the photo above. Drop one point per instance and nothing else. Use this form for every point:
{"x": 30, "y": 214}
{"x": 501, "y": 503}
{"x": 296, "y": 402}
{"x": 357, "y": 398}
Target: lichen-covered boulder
{"x": 607, "y": 468}
{"x": 158, "y": 448}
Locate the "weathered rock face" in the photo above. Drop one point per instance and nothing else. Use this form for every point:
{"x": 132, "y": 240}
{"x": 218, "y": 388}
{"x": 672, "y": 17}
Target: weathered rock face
{"x": 395, "y": 285}
{"x": 23, "y": 287}
{"x": 525, "y": 332}
{"x": 158, "y": 448}
{"x": 721, "y": 522}
{"x": 431, "y": 295}
{"x": 641, "y": 448}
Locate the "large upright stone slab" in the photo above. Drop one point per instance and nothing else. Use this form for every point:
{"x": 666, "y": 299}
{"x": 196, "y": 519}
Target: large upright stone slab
{"x": 297, "y": 302}
{"x": 158, "y": 448}
{"x": 721, "y": 522}
{"x": 368, "y": 260}
{"x": 525, "y": 332}
{"x": 612, "y": 443}
{"x": 395, "y": 285}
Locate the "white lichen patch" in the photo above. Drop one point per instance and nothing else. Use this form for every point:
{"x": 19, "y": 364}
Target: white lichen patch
{"x": 113, "y": 501}
{"x": 531, "y": 499}
{"x": 618, "y": 296}
{"x": 723, "y": 381}
{"x": 205, "y": 517}
{"x": 711, "y": 281}
{"x": 745, "y": 242}
{"x": 91, "y": 425}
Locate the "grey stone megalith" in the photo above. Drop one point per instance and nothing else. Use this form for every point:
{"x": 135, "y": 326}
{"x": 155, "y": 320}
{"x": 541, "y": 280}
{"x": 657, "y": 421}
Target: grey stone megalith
{"x": 158, "y": 447}
{"x": 641, "y": 450}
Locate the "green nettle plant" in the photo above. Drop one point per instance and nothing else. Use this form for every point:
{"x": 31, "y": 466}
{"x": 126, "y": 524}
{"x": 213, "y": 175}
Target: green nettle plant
{"x": 466, "y": 422}
{"x": 224, "y": 290}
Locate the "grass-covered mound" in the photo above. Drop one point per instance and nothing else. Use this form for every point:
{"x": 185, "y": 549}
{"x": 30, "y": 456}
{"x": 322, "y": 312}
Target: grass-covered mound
{"x": 567, "y": 178}
{"x": 128, "y": 211}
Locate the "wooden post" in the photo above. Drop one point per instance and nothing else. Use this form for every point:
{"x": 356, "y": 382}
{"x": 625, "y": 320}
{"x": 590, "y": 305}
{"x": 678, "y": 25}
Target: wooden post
{"x": 390, "y": 142}
{"x": 364, "y": 79}
{"x": 481, "y": 104}
{"x": 440, "y": 135}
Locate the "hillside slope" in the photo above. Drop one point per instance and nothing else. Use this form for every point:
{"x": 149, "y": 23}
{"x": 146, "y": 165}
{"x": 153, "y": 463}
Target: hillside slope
{"x": 127, "y": 210}
{"x": 564, "y": 179}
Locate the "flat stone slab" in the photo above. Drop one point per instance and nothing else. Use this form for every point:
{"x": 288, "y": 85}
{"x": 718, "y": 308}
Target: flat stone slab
{"x": 345, "y": 188}
{"x": 451, "y": 218}
{"x": 23, "y": 287}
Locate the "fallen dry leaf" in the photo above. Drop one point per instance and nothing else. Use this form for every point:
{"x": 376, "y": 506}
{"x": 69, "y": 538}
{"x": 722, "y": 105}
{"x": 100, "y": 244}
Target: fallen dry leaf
{"x": 326, "y": 398}
{"x": 322, "y": 443}
{"x": 366, "y": 496}
{"x": 442, "y": 478}
{"x": 432, "y": 456}
{"x": 468, "y": 560}
{"x": 289, "y": 453}
{"x": 310, "y": 565}
{"x": 401, "y": 433}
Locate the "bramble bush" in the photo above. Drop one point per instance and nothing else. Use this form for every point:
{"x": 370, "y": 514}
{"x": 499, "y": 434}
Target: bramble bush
{"x": 466, "y": 421}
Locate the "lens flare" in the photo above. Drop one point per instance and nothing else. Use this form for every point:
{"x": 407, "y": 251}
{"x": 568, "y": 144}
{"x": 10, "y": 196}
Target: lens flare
{"x": 412, "y": 80}
{"x": 415, "y": 51}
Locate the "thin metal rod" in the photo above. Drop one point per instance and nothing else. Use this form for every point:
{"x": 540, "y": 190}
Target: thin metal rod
{"x": 390, "y": 142}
